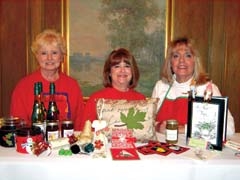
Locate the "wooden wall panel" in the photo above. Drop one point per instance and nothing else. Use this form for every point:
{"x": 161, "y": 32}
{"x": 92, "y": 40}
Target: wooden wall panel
{"x": 12, "y": 48}
{"x": 20, "y": 22}
{"x": 191, "y": 19}
{"x": 52, "y": 14}
{"x": 217, "y": 44}
{"x": 213, "y": 25}
{"x": 35, "y": 24}
{"x": 232, "y": 55}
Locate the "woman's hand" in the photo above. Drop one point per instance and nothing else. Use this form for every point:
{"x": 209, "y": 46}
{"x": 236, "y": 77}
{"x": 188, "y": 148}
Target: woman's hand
{"x": 161, "y": 127}
{"x": 181, "y": 129}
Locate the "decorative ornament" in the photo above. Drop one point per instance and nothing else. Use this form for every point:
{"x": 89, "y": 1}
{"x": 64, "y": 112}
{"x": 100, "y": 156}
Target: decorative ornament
{"x": 208, "y": 92}
{"x": 86, "y": 135}
{"x": 100, "y": 140}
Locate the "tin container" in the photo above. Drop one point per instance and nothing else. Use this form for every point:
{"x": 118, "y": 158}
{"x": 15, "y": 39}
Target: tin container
{"x": 26, "y": 138}
{"x": 172, "y": 131}
{"x": 9, "y": 125}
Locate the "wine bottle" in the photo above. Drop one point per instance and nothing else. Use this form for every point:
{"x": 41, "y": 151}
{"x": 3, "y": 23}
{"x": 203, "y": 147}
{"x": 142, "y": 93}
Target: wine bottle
{"x": 52, "y": 112}
{"x": 37, "y": 112}
{"x": 44, "y": 111}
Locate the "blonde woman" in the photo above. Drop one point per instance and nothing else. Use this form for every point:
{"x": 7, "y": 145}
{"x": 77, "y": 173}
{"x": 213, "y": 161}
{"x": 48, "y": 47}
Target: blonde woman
{"x": 181, "y": 70}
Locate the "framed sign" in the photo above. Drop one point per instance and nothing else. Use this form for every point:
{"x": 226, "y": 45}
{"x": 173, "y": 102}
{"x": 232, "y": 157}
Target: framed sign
{"x": 207, "y": 120}
{"x": 97, "y": 27}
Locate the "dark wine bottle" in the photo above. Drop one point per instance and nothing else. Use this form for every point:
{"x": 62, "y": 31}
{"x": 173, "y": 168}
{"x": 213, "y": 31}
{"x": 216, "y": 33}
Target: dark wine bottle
{"x": 41, "y": 99}
{"x": 52, "y": 112}
{"x": 37, "y": 111}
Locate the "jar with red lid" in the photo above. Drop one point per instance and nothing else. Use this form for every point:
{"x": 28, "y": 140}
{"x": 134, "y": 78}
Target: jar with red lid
{"x": 27, "y": 137}
{"x": 9, "y": 125}
{"x": 66, "y": 128}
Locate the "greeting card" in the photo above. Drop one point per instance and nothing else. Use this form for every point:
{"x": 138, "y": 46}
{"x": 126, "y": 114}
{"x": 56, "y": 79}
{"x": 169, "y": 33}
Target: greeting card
{"x": 123, "y": 147}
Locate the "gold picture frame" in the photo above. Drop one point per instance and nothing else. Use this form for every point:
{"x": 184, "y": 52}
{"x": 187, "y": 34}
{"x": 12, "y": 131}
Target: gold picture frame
{"x": 84, "y": 71}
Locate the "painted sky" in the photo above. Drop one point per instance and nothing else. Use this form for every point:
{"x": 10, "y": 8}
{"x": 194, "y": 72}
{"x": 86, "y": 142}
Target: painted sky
{"x": 87, "y": 35}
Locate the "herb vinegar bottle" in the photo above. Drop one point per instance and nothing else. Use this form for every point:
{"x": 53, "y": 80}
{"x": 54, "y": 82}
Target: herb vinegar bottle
{"x": 37, "y": 112}
{"x": 52, "y": 112}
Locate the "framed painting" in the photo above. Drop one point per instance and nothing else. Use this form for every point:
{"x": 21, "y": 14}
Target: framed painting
{"x": 97, "y": 27}
{"x": 207, "y": 120}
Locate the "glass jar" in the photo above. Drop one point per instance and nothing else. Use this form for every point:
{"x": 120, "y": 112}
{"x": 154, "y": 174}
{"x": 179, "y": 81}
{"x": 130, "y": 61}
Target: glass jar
{"x": 172, "y": 131}
{"x": 42, "y": 126}
{"x": 66, "y": 128}
{"x": 9, "y": 125}
{"x": 52, "y": 131}
{"x": 26, "y": 138}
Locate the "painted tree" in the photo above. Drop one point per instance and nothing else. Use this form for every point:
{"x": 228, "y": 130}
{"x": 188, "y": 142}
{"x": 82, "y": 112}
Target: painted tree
{"x": 136, "y": 25}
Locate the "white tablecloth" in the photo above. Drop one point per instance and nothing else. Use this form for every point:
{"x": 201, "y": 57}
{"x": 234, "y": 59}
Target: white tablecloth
{"x": 222, "y": 166}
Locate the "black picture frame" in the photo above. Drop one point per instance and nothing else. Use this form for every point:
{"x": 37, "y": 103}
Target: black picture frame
{"x": 208, "y": 120}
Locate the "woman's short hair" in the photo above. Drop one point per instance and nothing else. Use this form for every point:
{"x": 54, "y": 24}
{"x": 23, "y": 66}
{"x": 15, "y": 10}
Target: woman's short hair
{"x": 199, "y": 74}
{"x": 115, "y": 57}
{"x": 49, "y": 36}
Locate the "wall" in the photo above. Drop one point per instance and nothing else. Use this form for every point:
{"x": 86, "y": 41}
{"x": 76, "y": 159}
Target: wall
{"x": 20, "y": 22}
{"x": 214, "y": 25}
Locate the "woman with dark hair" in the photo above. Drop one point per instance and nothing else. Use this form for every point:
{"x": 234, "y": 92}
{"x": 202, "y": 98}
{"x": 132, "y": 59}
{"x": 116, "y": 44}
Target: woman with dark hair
{"x": 182, "y": 70}
{"x": 120, "y": 77}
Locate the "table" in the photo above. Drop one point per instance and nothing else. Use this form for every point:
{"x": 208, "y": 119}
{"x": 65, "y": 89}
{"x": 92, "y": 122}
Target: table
{"x": 15, "y": 165}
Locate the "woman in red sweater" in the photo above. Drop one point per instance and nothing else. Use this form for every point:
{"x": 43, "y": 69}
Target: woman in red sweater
{"x": 120, "y": 77}
{"x": 49, "y": 49}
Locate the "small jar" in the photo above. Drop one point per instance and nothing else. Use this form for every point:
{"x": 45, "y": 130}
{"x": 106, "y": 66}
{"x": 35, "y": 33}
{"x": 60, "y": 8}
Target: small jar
{"x": 66, "y": 128}
{"x": 172, "y": 131}
{"x": 9, "y": 125}
{"x": 26, "y": 138}
{"x": 42, "y": 126}
{"x": 52, "y": 131}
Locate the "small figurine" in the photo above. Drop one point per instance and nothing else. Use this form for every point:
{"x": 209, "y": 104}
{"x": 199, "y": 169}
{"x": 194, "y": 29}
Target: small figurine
{"x": 86, "y": 135}
{"x": 192, "y": 92}
{"x": 100, "y": 140}
{"x": 208, "y": 92}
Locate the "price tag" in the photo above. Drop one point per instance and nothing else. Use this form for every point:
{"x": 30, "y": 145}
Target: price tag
{"x": 200, "y": 143}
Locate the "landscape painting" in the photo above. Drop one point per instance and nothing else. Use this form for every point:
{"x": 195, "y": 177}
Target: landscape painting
{"x": 96, "y": 27}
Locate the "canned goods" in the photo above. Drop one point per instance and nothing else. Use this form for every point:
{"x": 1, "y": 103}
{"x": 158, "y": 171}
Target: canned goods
{"x": 26, "y": 138}
{"x": 172, "y": 131}
{"x": 66, "y": 128}
{"x": 9, "y": 125}
{"x": 52, "y": 131}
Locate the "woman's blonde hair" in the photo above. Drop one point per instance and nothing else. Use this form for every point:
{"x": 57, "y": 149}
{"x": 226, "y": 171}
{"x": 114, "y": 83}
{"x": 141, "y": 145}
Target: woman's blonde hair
{"x": 49, "y": 36}
{"x": 199, "y": 74}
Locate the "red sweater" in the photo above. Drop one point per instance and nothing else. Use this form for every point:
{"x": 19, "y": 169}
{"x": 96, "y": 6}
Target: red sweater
{"x": 68, "y": 97}
{"x": 108, "y": 93}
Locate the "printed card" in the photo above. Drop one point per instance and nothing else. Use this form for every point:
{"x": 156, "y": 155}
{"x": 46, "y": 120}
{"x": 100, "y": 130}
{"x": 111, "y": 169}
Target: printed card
{"x": 124, "y": 154}
{"x": 123, "y": 147}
